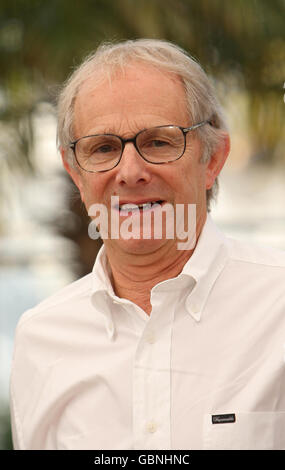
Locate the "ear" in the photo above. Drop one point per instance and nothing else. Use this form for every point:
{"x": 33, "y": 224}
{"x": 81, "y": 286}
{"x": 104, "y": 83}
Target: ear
{"x": 74, "y": 173}
{"x": 217, "y": 161}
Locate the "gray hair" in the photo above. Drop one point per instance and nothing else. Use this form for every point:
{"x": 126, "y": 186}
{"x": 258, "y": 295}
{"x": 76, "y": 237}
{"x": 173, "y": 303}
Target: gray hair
{"x": 202, "y": 103}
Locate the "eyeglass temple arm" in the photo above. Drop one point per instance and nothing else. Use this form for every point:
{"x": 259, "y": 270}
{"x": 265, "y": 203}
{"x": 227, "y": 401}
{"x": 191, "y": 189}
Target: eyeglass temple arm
{"x": 192, "y": 128}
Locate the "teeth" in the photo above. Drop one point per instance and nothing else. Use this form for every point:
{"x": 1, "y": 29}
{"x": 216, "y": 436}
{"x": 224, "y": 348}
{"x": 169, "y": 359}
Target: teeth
{"x": 146, "y": 205}
{"x": 130, "y": 206}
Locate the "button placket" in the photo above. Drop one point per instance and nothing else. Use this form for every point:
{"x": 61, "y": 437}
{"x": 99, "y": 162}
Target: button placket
{"x": 151, "y": 427}
{"x": 152, "y": 379}
{"x": 150, "y": 337}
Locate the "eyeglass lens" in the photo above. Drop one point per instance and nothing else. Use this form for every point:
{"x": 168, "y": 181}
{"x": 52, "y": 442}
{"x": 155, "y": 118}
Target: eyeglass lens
{"x": 156, "y": 145}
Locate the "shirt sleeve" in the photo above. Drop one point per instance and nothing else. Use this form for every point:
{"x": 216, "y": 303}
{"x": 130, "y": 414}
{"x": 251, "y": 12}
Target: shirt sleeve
{"x": 15, "y": 421}
{"x": 14, "y": 426}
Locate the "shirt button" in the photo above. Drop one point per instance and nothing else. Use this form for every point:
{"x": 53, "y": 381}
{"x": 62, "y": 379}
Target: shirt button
{"x": 151, "y": 427}
{"x": 195, "y": 308}
{"x": 150, "y": 338}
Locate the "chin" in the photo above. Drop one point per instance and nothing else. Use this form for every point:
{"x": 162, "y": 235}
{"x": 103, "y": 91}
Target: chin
{"x": 140, "y": 246}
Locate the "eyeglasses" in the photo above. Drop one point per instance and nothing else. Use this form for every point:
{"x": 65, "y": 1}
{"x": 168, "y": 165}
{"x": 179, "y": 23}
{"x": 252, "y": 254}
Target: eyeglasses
{"x": 157, "y": 145}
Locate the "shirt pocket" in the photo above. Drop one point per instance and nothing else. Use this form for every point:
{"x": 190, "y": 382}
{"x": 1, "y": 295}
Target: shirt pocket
{"x": 250, "y": 431}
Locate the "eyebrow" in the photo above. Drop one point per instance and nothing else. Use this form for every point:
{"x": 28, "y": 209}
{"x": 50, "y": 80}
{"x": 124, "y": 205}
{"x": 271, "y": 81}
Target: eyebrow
{"x": 111, "y": 130}
{"x": 103, "y": 130}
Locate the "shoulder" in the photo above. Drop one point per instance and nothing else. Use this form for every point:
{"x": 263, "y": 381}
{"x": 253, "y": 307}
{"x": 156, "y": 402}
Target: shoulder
{"x": 255, "y": 254}
{"x": 49, "y": 338}
{"x": 52, "y": 329}
{"x": 65, "y": 298}
{"x": 256, "y": 272}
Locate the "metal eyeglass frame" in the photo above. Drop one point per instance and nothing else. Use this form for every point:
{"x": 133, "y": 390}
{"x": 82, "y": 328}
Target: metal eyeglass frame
{"x": 184, "y": 131}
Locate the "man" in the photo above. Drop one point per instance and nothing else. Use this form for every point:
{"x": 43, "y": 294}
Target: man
{"x": 160, "y": 347}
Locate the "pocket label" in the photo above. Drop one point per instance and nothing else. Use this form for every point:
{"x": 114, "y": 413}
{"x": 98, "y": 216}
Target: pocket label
{"x": 227, "y": 418}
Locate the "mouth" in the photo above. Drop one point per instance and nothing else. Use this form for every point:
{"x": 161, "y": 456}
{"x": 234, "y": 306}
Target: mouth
{"x": 127, "y": 207}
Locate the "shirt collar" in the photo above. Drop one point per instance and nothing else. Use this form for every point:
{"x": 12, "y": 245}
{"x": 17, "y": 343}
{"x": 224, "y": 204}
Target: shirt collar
{"x": 102, "y": 290}
{"x": 206, "y": 263}
{"x": 103, "y": 297}
{"x": 101, "y": 274}
{"x": 204, "y": 266}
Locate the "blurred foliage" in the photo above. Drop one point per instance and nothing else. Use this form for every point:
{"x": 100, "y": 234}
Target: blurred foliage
{"x": 240, "y": 42}
{"x": 5, "y": 431}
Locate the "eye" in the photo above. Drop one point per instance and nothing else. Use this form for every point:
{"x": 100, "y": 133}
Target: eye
{"x": 100, "y": 146}
{"x": 155, "y": 144}
{"x": 104, "y": 149}
{"x": 158, "y": 143}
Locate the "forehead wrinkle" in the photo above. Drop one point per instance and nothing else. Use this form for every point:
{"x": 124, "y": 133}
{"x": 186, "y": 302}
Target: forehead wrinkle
{"x": 128, "y": 120}
{"x": 126, "y": 127}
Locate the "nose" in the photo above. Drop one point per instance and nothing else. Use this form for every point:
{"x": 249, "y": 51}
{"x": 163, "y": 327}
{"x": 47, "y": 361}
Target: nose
{"x": 132, "y": 169}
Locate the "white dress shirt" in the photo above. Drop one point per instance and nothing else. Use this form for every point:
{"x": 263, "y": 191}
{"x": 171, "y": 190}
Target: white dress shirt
{"x": 94, "y": 371}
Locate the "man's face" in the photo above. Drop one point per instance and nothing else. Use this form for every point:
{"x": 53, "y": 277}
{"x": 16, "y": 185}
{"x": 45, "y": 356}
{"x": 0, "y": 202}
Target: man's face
{"x": 141, "y": 98}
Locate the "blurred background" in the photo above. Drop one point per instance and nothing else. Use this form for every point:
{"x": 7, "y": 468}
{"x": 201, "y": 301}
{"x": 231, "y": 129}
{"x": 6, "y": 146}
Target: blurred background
{"x": 43, "y": 227}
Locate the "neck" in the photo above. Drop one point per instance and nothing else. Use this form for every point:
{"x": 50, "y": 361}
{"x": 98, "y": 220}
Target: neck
{"x": 135, "y": 274}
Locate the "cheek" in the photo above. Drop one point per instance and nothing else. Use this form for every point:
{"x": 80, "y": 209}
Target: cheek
{"x": 192, "y": 183}
{"x": 94, "y": 189}
{"x": 86, "y": 190}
